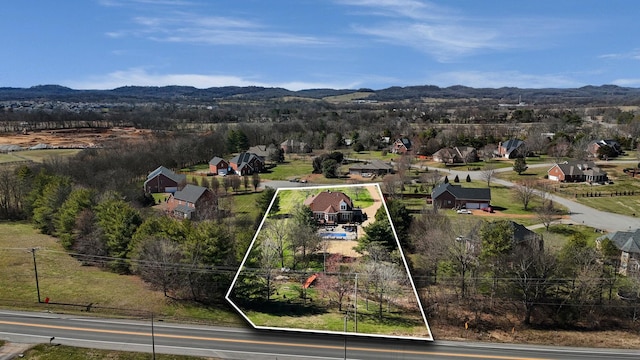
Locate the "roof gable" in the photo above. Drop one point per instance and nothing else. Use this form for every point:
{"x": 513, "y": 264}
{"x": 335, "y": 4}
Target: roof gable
{"x": 190, "y": 193}
{"x": 327, "y": 200}
{"x": 462, "y": 193}
{"x": 161, "y": 170}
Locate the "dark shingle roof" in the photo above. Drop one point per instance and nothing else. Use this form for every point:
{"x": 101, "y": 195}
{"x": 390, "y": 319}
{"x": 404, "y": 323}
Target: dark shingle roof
{"x": 627, "y": 241}
{"x": 216, "y": 160}
{"x": 461, "y": 193}
{"x": 190, "y": 193}
{"x": 178, "y": 178}
{"x": 244, "y": 158}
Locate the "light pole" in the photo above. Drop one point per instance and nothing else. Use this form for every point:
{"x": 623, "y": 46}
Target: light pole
{"x": 35, "y": 270}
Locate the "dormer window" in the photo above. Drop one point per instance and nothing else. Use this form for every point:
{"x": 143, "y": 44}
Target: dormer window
{"x": 343, "y": 205}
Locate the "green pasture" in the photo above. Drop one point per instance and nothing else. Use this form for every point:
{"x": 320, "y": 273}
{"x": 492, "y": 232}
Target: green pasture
{"x": 64, "y": 280}
{"x": 36, "y": 155}
{"x": 559, "y": 234}
{"x": 62, "y": 352}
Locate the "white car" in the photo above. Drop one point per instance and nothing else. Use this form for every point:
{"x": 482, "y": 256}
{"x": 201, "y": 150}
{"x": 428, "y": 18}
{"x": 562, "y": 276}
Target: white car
{"x": 464, "y": 211}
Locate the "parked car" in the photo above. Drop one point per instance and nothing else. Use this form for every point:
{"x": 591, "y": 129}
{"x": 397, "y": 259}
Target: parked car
{"x": 464, "y": 211}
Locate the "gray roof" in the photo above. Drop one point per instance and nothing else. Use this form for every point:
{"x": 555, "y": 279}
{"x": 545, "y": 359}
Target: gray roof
{"x": 244, "y": 158}
{"x": 575, "y": 168}
{"x": 178, "y": 178}
{"x": 190, "y": 193}
{"x": 372, "y": 165}
{"x": 627, "y": 241}
{"x": 216, "y": 160}
{"x": 461, "y": 193}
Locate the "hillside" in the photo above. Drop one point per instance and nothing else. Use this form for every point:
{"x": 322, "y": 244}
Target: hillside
{"x": 606, "y": 94}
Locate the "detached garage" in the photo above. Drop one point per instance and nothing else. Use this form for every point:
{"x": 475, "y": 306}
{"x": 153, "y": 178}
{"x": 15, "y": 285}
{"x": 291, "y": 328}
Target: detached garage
{"x": 448, "y": 196}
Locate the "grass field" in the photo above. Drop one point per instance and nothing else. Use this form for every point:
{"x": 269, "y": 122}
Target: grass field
{"x": 65, "y": 281}
{"x": 36, "y": 155}
{"x": 601, "y": 197}
{"x": 61, "y": 352}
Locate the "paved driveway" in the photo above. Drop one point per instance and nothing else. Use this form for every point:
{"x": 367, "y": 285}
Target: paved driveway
{"x": 579, "y": 214}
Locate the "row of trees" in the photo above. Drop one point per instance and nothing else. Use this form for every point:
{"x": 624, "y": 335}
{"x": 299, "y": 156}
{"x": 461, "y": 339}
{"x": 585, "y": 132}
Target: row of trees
{"x": 483, "y": 264}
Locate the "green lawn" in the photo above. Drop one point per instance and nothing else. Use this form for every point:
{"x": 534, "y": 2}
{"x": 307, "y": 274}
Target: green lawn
{"x": 601, "y": 197}
{"x": 37, "y": 155}
{"x": 65, "y": 281}
{"x": 289, "y": 199}
{"x": 293, "y": 168}
{"x": 62, "y": 352}
{"x": 559, "y": 234}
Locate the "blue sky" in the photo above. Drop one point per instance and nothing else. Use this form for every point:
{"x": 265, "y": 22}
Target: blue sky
{"x": 303, "y": 44}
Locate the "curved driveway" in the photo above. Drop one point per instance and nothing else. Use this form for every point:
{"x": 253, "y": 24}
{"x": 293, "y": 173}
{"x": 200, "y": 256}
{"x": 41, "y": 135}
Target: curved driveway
{"x": 579, "y": 214}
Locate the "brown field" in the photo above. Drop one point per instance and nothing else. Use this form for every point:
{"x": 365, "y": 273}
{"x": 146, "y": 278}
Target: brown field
{"x": 72, "y": 138}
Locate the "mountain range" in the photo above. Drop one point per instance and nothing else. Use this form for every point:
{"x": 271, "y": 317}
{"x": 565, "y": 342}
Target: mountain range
{"x": 605, "y": 94}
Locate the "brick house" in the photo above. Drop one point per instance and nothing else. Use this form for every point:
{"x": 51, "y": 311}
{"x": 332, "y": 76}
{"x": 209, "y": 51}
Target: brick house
{"x": 577, "y": 171}
{"x": 333, "y": 207}
{"x": 193, "y": 202}
{"x": 456, "y": 155}
{"x": 510, "y": 149}
{"x": 401, "y": 146}
{"x": 218, "y": 166}
{"x": 595, "y": 145}
{"x": 246, "y": 163}
{"x": 163, "y": 180}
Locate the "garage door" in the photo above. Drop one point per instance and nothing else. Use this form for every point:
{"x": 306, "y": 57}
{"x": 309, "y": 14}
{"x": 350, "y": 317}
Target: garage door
{"x": 471, "y": 205}
{"x": 553, "y": 177}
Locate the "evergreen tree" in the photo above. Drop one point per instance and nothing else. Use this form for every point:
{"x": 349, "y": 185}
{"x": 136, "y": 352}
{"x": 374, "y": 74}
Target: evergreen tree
{"x": 520, "y": 165}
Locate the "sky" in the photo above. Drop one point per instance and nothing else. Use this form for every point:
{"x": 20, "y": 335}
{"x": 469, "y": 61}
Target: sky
{"x": 309, "y": 44}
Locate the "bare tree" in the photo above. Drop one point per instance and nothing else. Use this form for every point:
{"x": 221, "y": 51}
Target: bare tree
{"x": 546, "y": 213}
{"x": 560, "y": 150}
{"x": 268, "y": 257}
{"x": 255, "y": 181}
{"x": 277, "y": 232}
{"x": 431, "y": 178}
{"x": 524, "y": 192}
{"x": 384, "y": 280}
{"x": 235, "y": 182}
{"x": 487, "y": 173}
{"x": 159, "y": 261}
{"x": 533, "y": 274}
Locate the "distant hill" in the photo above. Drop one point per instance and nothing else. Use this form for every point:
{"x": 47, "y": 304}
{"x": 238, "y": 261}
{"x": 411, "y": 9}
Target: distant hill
{"x": 606, "y": 94}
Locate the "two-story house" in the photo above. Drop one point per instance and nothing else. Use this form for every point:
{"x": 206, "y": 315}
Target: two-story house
{"x": 333, "y": 207}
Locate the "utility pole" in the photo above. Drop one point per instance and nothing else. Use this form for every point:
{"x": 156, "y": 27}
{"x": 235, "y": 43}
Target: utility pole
{"x": 35, "y": 270}
{"x": 153, "y": 339}
{"x": 355, "y": 305}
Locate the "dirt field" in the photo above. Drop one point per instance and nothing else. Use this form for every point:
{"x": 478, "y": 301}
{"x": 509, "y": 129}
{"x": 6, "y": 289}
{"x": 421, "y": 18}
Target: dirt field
{"x": 72, "y": 138}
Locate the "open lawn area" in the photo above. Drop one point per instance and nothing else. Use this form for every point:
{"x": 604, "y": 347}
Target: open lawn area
{"x": 36, "y": 155}
{"x": 621, "y": 197}
{"x": 62, "y": 352}
{"x": 64, "y": 280}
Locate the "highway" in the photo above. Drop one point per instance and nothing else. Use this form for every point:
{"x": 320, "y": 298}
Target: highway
{"x": 239, "y": 343}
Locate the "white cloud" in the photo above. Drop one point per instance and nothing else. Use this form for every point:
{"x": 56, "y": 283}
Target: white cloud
{"x": 140, "y": 77}
{"x": 630, "y": 82}
{"x": 478, "y": 79}
{"x": 633, "y": 54}
{"x": 447, "y": 34}
{"x": 189, "y": 27}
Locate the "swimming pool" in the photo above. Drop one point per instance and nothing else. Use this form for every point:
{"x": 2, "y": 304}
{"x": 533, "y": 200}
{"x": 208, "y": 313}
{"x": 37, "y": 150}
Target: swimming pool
{"x": 333, "y": 235}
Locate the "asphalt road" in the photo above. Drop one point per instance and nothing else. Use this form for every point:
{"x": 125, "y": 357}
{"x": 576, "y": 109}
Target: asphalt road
{"x": 236, "y": 343}
{"x": 579, "y": 214}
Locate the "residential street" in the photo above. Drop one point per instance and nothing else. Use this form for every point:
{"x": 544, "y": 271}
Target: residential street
{"x": 579, "y": 214}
